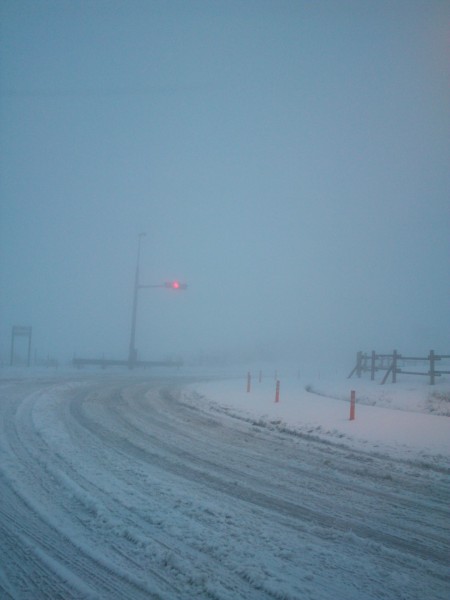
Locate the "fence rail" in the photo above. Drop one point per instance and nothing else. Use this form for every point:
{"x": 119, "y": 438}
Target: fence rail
{"x": 393, "y": 364}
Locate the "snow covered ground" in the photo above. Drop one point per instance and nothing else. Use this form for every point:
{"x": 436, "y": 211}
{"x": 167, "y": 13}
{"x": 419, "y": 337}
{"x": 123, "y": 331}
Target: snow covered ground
{"x": 179, "y": 487}
{"x": 402, "y": 419}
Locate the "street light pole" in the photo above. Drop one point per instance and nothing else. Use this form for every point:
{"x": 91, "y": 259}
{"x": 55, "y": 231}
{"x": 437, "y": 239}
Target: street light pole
{"x": 132, "y": 354}
{"x": 175, "y": 285}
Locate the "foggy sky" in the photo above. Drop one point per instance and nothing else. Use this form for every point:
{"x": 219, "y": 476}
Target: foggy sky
{"x": 289, "y": 160}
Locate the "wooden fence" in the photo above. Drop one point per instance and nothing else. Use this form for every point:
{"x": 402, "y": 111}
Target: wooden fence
{"x": 396, "y": 363}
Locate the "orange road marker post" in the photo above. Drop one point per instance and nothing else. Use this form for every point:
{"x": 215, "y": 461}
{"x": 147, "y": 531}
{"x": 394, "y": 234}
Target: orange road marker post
{"x": 277, "y": 391}
{"x": 352, "y": 405}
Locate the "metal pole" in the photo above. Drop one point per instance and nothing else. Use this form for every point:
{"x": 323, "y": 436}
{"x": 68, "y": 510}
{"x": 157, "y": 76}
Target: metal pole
{"x": 12, "y": 346}
{"x": 132, "y": 354}
{"x": 29, "y": 348}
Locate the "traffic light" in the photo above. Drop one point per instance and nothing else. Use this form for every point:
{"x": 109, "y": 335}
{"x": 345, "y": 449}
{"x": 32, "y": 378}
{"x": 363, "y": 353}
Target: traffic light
{"x": 175, "y": 285}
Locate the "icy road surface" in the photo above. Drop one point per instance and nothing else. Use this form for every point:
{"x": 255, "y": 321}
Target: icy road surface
{"x": 118, "y": 487}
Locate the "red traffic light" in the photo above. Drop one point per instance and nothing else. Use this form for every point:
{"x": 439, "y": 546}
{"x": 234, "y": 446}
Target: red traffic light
{"x": 175, "y": 285}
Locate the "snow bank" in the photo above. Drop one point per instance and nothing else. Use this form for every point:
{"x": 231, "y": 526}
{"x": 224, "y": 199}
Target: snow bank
{"x": 409, "y": 419}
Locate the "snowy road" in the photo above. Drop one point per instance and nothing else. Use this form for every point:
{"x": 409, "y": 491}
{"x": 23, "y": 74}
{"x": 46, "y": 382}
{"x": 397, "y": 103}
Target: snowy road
{"x": 120, "y": 487}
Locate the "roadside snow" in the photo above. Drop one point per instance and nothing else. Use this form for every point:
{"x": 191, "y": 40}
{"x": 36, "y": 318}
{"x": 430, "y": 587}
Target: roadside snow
{"x": 409, "y": 419}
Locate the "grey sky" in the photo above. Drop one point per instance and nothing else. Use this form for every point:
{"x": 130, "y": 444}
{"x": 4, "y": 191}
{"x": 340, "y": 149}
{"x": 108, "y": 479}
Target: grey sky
{"x": 288, "y": 160}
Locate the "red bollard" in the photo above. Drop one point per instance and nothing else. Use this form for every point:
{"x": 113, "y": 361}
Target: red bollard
{"x": 277, "y": 391}
{"x": 249, "y": 382}
{"x": 352, "y": 405}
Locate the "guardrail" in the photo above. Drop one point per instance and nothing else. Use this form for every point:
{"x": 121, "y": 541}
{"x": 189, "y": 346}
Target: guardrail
{"x": 106, "y": 362}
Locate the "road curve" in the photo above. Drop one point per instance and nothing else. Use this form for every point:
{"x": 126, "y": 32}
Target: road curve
{"x": 123, "y": 487}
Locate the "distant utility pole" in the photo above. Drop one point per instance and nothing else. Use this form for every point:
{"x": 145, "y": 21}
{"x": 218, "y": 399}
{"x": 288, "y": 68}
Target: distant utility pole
{"x": 132, "y": 354}
{"x": 20, "y": 331}
{"x": 174, "y": 285}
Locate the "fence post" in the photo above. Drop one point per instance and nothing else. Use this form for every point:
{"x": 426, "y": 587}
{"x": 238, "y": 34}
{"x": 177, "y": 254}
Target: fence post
{"x": 372, "y": 366}
{"x": 352, "y": 405}
{"x": 394, "y": 366}
{"x": 358, "y": 363}
{"x": 432, "y": 371}
{"x": 364, "y": 367}
{"x": 249, "y": 382}
{"x": 277, "y": 391}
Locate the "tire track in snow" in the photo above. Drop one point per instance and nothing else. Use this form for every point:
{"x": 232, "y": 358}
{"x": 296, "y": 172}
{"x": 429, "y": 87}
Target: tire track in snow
{"x": 49, "y": 553}
{"x": 30, "y": 449}
{"x": 136, "y": 435}
{"x": 181, "y": 461}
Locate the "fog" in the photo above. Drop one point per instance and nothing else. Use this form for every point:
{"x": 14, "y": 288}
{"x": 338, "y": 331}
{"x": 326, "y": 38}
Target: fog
{"x": 288, "y": 160}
